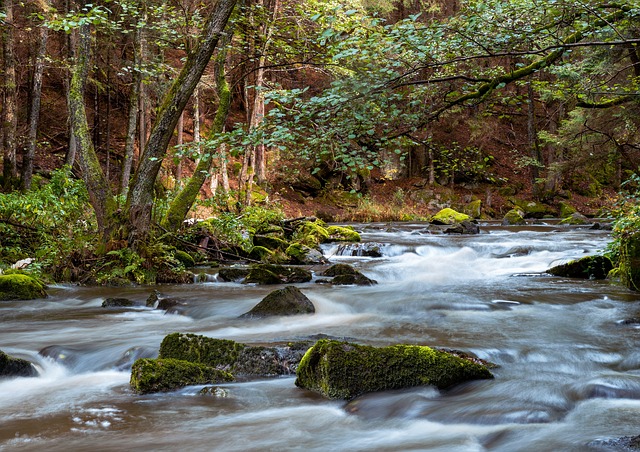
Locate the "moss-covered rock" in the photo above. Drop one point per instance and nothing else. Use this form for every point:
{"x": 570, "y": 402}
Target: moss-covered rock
{"x": 575, "y": 218}
{"x": 342, "y": 370}
{"x": 117, "y": 303}
{"x": 344, "y": 274}
{"x": 514, "y": 217}
{"x": 342, "y": 234}
{"x": 234, "y": 357}
{"x": 286, "y": 301}
{"x": 449, "y": 216}
{"x": 566, "y": 209}
{"x": 233, "y": 274}
{"x": 311, "y": 233}
{"x": 270, "y": 242}
{"x": 302, "y": 254}
{"x": 277, "y": 274}
{"x": 466, "y": 227}
{"x": 20, "y": 287}
{"x": 532, "y": 209}
{"x": 157, "y": 375}
{"x": 185, "y": 258}
{"x": 15, "y": 367}
{"x": 473, "y": 209}
{"x": 260, "y": 253}
{"x": 589, "y": 267}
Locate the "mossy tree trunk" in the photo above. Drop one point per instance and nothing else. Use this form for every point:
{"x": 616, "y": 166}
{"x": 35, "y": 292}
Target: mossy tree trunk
{"x": 184, "y": 200}
{"x": 100, "y": 194}
{"x": 629, "y": 266}
{"x": 140, "y": 198}
{"x": 9, "y": 110}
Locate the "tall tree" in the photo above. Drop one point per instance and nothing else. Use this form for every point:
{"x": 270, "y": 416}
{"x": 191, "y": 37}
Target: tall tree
{"x": 9, "y": 111}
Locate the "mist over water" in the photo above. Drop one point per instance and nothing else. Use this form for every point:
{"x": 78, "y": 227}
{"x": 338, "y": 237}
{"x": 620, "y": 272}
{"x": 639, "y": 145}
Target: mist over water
{"x": 568, "y": 375}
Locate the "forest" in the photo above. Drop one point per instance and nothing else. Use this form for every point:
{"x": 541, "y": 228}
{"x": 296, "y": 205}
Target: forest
{"x": 121, "y": 119}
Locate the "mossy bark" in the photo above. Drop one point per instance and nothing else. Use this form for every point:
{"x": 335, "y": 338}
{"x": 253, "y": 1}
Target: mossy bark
{"x": 342, "y": 370}
{"x": 182, "y": 203}
{"x": 140, "y": 199}
{"x": 629, "y": 266}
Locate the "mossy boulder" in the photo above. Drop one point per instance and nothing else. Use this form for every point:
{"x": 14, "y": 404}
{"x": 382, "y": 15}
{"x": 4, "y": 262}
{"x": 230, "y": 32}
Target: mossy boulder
{"x": 184, "y": 258}
{"x": 20, "y": 287}
{"x": 270, "y": 242}
{"x": 277, "y": 274}
{"x": 302, "y": 254}
{"x": 260, "y": 253}
{"x": 473, "y": 209}
{"x": 342, "y": 234}
{"x": 117, "y": 303}
{"x": 234, "y": 357}
{"x": 566, "y": 209}
{"x": 233, "y": 274}
{"x": 514, "y": 217}
{"x": 311, "y": 233}
{"x": 343, "y": 370}
{"x": 344, "y": 274}
{"x": 286, "y": 301}
{"x": 449, "y": 216}
{"x": 532, "y": 209}
{"x": 15, "y": 367}
{"x": 158, "y": 375}
{"x": 575, "y": 218}
{"x": 589, "y": 267}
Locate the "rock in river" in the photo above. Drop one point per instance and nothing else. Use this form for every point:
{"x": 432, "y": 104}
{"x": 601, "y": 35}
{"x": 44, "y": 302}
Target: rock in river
{"x": 15, "y": 367}
{"x": 287, "y": 301}
{"x": 20, "y": 287}
{"x": 343, "y": 370}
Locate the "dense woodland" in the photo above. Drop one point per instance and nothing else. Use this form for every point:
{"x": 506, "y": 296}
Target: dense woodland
{"x": 122, "y": 118}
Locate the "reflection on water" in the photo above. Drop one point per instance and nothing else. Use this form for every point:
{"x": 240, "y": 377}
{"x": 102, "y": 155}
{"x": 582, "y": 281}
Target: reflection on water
{"x": 568, "y": 374}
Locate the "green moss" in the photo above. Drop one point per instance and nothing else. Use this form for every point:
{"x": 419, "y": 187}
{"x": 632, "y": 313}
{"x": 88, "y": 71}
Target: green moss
{"x": 311, "y": 233}
{"x": 200, "y": 349}
{"x": 185, "y": 258}
{"x": 260, "y": 253}
{"x": 513, "y": 217}
{"x": 474, "y": 209}
{"x": 15, "y": 367}
{"x": 531, "y": 209}
{"x": 270, "y": 242}
{"x": 589, "y": 267}
{"x": 449, "y": 216}
{"x": 575, "y": 219}
{"x": 342, "y": 370}
{"x": 566, "y": 210}
{"x": 277, "y": 274}
{"x": 342, "y": 234}
{"x": 629, "y": 263}
{"x": 156, "y": 375}
{"x": 20, "y": 287}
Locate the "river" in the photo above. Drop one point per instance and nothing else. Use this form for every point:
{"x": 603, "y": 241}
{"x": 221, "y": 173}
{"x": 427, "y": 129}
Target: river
{"x": 568, "y": 376}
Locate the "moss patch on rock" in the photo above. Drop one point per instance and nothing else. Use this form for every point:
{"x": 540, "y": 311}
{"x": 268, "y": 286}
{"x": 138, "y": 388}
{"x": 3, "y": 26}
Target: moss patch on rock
{"x": 233, "y": 274}
{"x": 344, "y": 274}
{"x": 185, "y": 258}
{"x": 277, "y": 274}
{"x": 15, "y": 367}
{"x": 158, "y": 375}
{"x": 20, "y": 287}
{"x": 589, "y": 267}
{"x": 311, "y": 233}
{"x": 286, "y": 301}
{"x": 342, "y": 234}
{"x": 302, "y": 254}
{"x": 514, "y": 217}
{"x": 575, "y": 219}
{"x": 221, "y": 353}
{"x": 449, "y": 216}
{"x": 343, "y": 370}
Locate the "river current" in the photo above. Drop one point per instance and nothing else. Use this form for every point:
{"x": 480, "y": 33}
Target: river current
{"x": 568, "y": 375}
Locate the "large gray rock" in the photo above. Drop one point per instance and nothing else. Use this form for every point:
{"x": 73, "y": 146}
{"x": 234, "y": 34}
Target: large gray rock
{"x": 287, "y": 301}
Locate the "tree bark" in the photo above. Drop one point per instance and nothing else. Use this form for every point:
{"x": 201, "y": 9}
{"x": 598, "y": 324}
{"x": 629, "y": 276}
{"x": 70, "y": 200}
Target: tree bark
{"x": 9, "y": 112}
{"x": 134, "y": 98}
{"x": 184, "y": 200}
{"x": 34, "y": 112}
{"x": 140, "y": 199}
{"x": 100, "y": 194}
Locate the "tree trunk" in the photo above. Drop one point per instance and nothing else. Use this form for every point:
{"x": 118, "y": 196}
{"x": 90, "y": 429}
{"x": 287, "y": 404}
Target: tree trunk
{"x": 134, "y": 99}
{"x": 34, "y": 112}
{"x": 9, "y": 112}
{"x": 532, "y": 134}
{"x": 184, "y": 200}
{"x": 100, "y": 194}
{"x": 180, "y": 141}
{"x": 140, "y": 199}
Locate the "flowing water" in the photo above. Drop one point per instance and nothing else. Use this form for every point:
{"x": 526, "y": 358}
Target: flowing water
{"x": 568, "y": 376}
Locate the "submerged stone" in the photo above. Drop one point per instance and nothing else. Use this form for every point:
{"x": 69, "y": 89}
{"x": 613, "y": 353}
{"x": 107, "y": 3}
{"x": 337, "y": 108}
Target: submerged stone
{"x": 589, "y": 267}
{"x": 20, "y": 287}
{"x": 343, "y": 370}
{"x": 286, "y": 301}
{"x": 233, "y": 274}
{"x": 465, "y": 227}
{"x": 117, "y": 303}
{"x": 15, "y": 367}
{"x": 344, "y": 274}
{"x": 158, "y": 375}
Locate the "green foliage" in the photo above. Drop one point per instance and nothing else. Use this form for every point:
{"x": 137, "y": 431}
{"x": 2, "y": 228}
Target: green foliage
{"x": 51, "y": 223}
